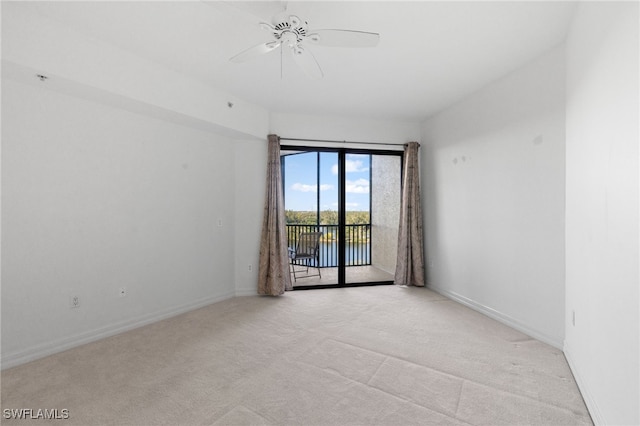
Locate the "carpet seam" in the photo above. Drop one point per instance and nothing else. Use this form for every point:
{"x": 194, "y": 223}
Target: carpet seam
{"x": 377, "y": 369}
{"x": 334, "y": 372}
{"x": 456, "y": 377}
{"x": 459, "y": 397}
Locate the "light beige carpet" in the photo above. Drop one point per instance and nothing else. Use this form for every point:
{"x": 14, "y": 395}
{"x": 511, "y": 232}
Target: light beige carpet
{"x": 355, "y": 356}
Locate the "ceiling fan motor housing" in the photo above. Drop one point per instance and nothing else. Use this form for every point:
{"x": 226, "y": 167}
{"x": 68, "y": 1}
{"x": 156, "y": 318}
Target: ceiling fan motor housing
{"x": 289, "y": 24}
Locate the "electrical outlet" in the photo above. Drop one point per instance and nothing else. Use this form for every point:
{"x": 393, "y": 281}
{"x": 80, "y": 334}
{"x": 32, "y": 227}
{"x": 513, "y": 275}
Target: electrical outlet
{"x": 250, "y": 267}
{"x": 74, "y": 301}
{"x": 122, "y": 292}
{"x": 220, "y": 223}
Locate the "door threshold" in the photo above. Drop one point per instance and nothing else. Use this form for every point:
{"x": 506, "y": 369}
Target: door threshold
{"x": 322, "y": 286}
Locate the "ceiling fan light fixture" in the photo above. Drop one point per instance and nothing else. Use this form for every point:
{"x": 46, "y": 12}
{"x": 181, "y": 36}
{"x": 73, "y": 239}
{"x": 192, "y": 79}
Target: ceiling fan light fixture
{"x": 294, "y": 21}
{"x": 289, "y": 39}
{"x": 292, "y": 32}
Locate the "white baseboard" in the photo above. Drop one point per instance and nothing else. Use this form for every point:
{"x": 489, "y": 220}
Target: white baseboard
{"x": 499, "y": 316}
{"x": 589, "y": 400}
{"x": 41, "y": 351}
{"x": 246, "y": 292}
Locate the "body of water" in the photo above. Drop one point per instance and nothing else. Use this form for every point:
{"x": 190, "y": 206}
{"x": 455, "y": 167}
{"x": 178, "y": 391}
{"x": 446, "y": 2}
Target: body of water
{"x": 356, "y": 254}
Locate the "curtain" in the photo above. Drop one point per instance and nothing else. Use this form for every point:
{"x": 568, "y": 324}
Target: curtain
{"x": 410, "y": 261}
{"x": 273, "y": 270}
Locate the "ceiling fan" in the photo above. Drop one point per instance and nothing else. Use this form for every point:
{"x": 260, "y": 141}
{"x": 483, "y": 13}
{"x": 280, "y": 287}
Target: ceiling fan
{"x": 289, "y": 31}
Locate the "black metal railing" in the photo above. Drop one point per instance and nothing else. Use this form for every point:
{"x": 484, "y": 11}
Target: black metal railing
{"x": 357, "y": 238}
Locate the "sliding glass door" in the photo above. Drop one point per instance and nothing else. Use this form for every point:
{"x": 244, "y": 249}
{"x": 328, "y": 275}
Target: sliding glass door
{"x": 352, "y": 198}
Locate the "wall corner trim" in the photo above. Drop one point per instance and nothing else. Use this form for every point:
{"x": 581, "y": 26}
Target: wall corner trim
{"x": 589, "y": 401}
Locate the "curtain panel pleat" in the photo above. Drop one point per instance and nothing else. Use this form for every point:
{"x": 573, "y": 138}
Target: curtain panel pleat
{"x": 410, "y": 260}
{"x": 273, "y": 271}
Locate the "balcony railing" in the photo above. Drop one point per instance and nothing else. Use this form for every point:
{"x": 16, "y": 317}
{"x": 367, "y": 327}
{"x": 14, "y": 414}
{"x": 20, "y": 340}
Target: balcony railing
{"x": 358, "y": 243}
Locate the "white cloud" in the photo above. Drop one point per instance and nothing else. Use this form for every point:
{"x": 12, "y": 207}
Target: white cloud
{"x": 349, "y": 205}
{"x": 360, "y": 186}
{"x": 302, "y": 187}
{"x": 351, "y": 166}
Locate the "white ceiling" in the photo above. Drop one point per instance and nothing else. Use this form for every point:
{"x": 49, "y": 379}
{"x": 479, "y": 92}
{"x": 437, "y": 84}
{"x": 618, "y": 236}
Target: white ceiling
{"x": 430, "y": 54}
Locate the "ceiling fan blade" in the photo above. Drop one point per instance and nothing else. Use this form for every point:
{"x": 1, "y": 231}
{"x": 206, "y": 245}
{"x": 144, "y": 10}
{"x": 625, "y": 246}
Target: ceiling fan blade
{"x": 254, "y": 51}
{"x": 305, "y": 60}
{"x": 343, "y": 38}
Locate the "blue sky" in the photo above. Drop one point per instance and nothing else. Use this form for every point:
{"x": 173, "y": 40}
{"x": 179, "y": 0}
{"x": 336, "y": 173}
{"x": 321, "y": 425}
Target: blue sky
{"x": 301, "y": 181}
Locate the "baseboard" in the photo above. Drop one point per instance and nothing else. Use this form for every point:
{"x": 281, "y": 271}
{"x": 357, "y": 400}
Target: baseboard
{"x": 247, "y": 292}
{"x": 499, "y": 316}
{"x": 41, "y": 351}
{"x": 589, "y": 400}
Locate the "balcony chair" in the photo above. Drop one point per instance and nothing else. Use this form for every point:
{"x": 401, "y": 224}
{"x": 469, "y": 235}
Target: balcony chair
{"x": 307, "y": 249}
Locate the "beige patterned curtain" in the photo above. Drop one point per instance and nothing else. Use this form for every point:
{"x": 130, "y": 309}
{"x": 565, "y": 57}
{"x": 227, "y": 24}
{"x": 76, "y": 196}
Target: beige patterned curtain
{"x": 410, "y": 261}
{"x": 273, "y": 271}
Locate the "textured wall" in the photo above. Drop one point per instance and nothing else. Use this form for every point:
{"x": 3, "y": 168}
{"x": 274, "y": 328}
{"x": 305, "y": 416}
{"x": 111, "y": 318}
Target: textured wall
{"x": 385, "y": 210}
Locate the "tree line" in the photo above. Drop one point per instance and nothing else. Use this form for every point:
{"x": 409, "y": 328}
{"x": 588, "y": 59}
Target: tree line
{"x": 327, "y": 217}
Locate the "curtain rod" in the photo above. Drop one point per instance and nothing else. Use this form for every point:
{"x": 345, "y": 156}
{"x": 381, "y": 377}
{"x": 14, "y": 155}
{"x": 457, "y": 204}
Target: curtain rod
{"x": 332, "y": 141}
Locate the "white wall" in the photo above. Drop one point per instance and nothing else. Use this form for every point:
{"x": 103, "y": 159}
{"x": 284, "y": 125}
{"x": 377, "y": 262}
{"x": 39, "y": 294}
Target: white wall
{"x": 115, "y": 173}
{"x": 493, "y": 180}
{"x": 97, "y": 198}
{"x": 250, "y": 180}
{"x": 602, "y": 219}
{"x": 33, "y": 43}
{"x": 343, "y": 128}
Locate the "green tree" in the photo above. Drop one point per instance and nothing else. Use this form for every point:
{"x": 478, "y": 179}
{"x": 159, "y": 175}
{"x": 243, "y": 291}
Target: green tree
{"x": 293, "y": 217}
{"x": 357, "y": 218}
{"x": 329, "y": 217}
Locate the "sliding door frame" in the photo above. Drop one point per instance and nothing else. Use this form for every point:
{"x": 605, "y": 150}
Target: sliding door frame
{"x": 342, "y": 210}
